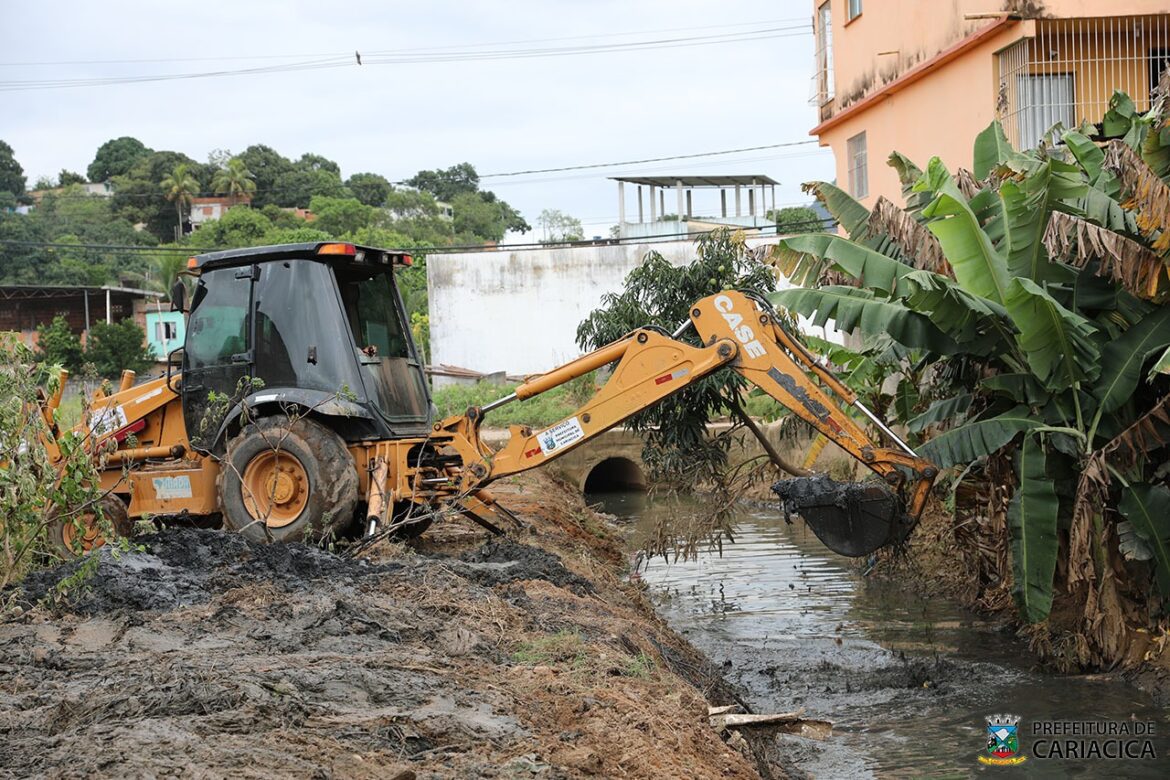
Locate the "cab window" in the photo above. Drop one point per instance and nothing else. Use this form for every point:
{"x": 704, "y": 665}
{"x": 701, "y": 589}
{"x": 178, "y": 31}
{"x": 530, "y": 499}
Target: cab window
{"x": 219, "y": 321}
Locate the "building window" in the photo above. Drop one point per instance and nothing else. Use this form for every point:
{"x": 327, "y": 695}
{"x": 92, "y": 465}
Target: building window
{"x": 824, "y": 79}
{"x": 858, "y": 168}
{"x": 166, "y": 331}
{"x": 1045, "y": 101}
{"x": 854, "y": 9}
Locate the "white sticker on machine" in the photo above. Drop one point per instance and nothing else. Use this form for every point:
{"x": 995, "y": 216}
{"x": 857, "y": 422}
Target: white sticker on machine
{"x": 560, "y": 436}
{"x": 106, "y": 420}
{"x": 167, "y": 488}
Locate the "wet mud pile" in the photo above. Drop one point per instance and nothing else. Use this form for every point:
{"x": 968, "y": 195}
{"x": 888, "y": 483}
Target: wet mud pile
{"x": 207, "y": 655}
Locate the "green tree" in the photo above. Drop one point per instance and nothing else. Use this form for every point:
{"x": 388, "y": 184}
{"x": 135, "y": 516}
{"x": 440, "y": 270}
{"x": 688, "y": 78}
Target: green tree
{"x": 114, "y": 348}
{"x": 482, "y": 218}
{"x": 267, "y": 166}
{"x": 11, "y": 174}
{"x": 234, "y": 180}
{"x": 70, "y": 217}
{"x": 342, "y": 216}
{"x": 658, "y": 294}
{"x": 797, "y": 219}
{"x": 297, "y": 235}
{"x": 65, "y": 178}
{"x": 239, "y": 227}
{"x": 370, "y": 188}
{"x": 280, "y": 217}
{"x": 298, "y": 186}
{"x": 446, "y": 184}
{"x": 57, "y": 344}
{"x": 180, "y": 187}
{"x": 416, "y": 214}
{"x": 117, "y": 157}
{"x": 556, "y": 225}
{"x": 139, "y": 196}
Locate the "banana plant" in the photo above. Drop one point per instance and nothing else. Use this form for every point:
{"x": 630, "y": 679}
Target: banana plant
{"x": 1033, "y": 288}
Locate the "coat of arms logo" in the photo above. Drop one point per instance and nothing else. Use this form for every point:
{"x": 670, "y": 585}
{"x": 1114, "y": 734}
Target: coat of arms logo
{"x": 1003, "y": 741}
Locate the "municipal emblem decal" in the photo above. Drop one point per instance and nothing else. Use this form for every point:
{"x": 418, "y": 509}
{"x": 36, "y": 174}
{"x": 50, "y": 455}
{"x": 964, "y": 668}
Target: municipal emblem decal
{"x": 1003, "y": 741}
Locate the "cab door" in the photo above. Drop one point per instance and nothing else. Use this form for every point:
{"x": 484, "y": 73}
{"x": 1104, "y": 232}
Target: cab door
{"x": 218, "y": 354}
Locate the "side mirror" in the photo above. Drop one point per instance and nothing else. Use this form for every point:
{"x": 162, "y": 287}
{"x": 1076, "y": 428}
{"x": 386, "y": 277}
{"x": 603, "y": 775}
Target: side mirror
{"x": 179, "y": 296}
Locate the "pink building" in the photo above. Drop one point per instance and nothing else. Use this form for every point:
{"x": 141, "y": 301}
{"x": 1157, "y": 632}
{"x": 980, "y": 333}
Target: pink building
{"x": 923, "y": 77}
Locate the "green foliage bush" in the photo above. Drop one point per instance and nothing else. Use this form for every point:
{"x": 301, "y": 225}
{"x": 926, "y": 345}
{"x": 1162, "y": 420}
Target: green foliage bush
{"x": 31, "y": 482}
{"x": 114, "y": 348}
{"x": 1029, "y": 295}
{"x": 58, "y": 345}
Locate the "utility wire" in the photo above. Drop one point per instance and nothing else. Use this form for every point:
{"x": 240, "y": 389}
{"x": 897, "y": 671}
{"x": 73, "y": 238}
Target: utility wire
{"x": 400, "y": 57}
{"x": 824, "y": 222}
{"x": 457, "y": 47}
{"x": 648, "y": 160}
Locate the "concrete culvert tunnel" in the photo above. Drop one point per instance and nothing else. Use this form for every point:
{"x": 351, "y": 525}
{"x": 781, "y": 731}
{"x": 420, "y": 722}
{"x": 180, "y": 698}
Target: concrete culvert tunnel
{"x": 615, "y": 475}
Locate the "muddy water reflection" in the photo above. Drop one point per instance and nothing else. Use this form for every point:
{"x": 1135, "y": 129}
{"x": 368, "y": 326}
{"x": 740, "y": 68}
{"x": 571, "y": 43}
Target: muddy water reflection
{"x": 906, "y": 681}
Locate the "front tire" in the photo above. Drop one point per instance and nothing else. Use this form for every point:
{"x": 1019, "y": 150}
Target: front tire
{"x": 73, "y": 536}
{"x": 285, "y": 480}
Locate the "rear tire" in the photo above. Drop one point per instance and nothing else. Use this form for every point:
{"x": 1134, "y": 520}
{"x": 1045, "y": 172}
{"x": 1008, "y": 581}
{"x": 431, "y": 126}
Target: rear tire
{"x": 78, "y": 534}
{"x": 287, "y": 480}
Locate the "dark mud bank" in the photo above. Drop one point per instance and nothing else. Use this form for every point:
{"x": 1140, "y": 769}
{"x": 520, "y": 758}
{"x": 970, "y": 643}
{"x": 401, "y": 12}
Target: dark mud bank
{"x": 207, "y": 654}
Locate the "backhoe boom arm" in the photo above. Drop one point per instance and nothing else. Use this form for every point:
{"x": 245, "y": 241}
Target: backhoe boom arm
{"x": 738, "y": 332}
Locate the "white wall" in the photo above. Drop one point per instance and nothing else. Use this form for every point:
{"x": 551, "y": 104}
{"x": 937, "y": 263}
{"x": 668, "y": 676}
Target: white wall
{"x": 518, "y": 311}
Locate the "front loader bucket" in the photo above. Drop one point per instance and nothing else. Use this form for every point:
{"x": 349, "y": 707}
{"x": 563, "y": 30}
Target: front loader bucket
{"x": 850, "y": 518}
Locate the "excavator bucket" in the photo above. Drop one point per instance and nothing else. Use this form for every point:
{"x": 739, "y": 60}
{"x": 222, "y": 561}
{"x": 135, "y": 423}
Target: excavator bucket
{"x": 850, "y": 518}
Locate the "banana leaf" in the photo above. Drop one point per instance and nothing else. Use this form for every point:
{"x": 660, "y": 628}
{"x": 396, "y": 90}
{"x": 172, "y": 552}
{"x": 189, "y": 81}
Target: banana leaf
{"x": 855, "y": 309}
{"x": 992, "y": 149}
{"x": 874, "y": 270}
{"x": 1123, "y": 358}
{"x": 849, "y": 213}
{"x": 1148, "y": 508}
{"x": 1026, "y": 207}
{"x": 978, "y": 438}
{"x": 948, "y": 410}
{"x": 1032, "y": 520}
{"x": 1090, "y": 156}
{"x": 979, "y": 267}
{"x": 961, "y": 315}
{"x": 1161, "y": 366}
{"x": 905, "y": 399}
{"x": 1059, "y": 344}
{"x": 1021, "y": 388}
{"x": 909, "y": 174}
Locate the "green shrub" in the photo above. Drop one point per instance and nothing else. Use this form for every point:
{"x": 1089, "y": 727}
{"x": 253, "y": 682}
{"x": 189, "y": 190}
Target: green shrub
{"x": 31, "y": 482}
{"x": 58, "y": 345}
{"x": 114, "y": 348}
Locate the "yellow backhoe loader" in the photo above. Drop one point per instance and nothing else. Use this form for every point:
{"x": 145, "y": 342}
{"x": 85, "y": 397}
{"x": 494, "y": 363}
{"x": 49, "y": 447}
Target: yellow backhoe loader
{"x": 301, "y": 409}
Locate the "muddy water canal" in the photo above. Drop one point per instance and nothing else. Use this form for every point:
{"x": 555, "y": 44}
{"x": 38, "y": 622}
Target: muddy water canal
{"x": 907, "y": 681}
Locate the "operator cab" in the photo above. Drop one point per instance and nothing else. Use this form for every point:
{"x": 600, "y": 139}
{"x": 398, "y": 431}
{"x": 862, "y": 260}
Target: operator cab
{"x": 318, "y": 325}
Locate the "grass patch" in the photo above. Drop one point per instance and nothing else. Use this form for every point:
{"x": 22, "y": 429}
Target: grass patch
{"x": 640, "y": 666}
{"x": 539, "y": 411}
{"x": 563, "y": 646}
{"x": 69, "y": 412}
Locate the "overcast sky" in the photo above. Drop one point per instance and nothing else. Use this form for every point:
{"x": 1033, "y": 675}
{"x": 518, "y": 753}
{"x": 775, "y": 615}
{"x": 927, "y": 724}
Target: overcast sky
{"x": 500, "y": 115}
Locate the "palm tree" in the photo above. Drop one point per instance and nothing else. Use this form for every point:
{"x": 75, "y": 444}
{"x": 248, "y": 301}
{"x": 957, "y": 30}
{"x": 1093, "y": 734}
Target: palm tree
{"x": 234, "y": 180}
{"x": 180, "y": 186}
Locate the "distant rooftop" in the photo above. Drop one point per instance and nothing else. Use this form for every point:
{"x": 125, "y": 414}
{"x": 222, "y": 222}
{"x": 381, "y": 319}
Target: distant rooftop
{"x": 697, "y": 181}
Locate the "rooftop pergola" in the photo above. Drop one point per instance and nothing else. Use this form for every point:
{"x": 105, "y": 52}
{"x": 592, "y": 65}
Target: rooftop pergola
{"x": 755, "y": 185}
